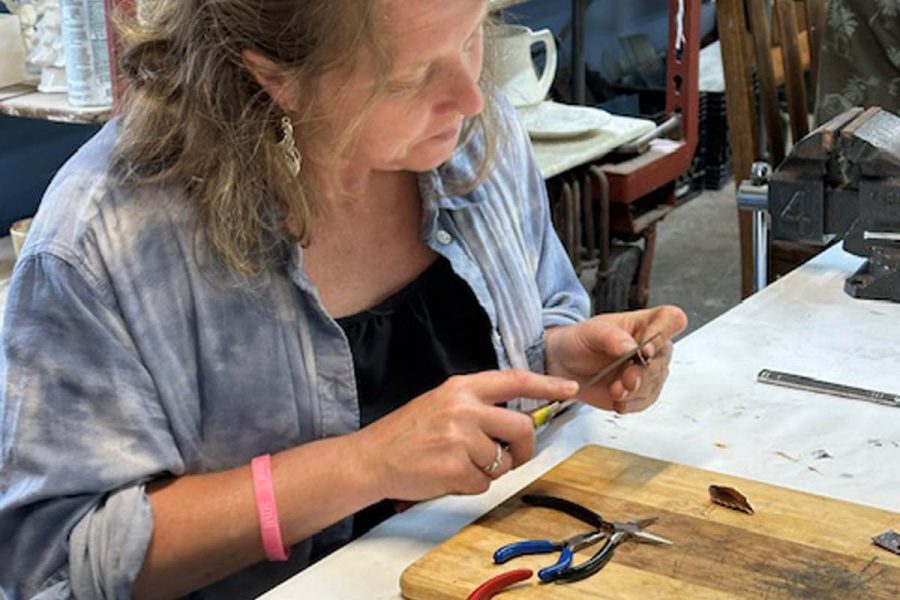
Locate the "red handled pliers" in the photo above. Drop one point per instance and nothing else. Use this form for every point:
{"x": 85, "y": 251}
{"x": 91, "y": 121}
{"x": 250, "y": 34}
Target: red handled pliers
{"x": 497, "y": 584}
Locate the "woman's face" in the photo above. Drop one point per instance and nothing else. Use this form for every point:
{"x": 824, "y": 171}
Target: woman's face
{"x": 437, "y": 49}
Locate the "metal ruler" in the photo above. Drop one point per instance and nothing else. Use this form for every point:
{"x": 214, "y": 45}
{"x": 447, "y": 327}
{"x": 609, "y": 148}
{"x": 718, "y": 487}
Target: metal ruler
{"x": 809, "y": 384}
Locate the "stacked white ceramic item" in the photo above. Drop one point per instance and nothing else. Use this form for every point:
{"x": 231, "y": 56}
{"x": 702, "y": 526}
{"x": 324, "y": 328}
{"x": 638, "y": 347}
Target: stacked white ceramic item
{"x": 87, "y": 52}
{"x": 515, "y": 73}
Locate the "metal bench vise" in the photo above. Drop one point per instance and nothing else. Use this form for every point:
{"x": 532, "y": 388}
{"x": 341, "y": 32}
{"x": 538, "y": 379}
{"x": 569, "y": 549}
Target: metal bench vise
{"x": 843, "y": 181}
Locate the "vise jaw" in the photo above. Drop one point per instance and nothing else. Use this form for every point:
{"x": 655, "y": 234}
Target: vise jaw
{"x": 843, "y": 181}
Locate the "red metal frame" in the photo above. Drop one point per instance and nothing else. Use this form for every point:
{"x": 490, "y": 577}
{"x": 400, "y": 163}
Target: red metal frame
{"x": 665, "y": 161}
{"x": 639, "y": 192}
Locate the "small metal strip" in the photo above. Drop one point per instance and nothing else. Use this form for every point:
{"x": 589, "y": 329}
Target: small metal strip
{"x": 809, "y": 384}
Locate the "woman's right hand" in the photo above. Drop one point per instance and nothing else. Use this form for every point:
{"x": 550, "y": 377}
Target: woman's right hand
{"x": 442, "y": 441}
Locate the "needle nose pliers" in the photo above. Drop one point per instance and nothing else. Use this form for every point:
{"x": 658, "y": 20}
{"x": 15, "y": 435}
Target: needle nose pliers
{"x": 566, "y": 547}
{"x": 563, "y": 571}
{"x": 621, "y": 531}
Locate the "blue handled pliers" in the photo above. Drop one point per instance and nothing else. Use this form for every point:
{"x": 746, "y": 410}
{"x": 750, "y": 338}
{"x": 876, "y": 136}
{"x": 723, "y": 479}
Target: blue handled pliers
{"x": 567, "y": 549}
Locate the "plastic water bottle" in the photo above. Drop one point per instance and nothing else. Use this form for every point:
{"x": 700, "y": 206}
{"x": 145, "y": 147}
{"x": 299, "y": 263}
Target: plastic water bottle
{"x": 87, "y": 53}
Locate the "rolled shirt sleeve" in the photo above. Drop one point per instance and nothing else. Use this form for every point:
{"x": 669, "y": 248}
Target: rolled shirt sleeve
{"x": 563, "y": 298}
{"x": 82, "y": 429}
{"x": 565, "y": 301}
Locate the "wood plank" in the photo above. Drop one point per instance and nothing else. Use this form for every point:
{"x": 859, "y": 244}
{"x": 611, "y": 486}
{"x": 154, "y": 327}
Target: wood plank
{"x": 741, "y": 115}
{"x": 768, "y": 92}
{"x": 794, "y": 80}
{"x": 778, "y": 57}
{"x": 797, "y": 545}
{"x": 815, "y": 26}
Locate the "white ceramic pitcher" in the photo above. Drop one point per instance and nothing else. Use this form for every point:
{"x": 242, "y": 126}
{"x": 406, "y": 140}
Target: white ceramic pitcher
{"x": 513, "y": 67}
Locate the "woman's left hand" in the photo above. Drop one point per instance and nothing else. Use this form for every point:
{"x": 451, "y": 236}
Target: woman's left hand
{"x": 579, "y": 351}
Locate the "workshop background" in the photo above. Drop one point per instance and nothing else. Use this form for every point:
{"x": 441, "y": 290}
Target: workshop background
{"x": 697, "y": 262}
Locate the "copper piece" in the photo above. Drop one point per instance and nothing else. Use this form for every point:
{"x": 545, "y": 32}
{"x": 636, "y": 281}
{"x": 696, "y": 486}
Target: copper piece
{"x": 729, "y": 498}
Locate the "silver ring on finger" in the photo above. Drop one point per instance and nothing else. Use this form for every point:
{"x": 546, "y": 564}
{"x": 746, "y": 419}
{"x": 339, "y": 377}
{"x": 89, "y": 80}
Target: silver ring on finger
{"x": 498, "y": 461}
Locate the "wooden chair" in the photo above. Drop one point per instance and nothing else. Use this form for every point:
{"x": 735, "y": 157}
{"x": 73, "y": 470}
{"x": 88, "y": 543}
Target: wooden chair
{"x": 772, "y": 44}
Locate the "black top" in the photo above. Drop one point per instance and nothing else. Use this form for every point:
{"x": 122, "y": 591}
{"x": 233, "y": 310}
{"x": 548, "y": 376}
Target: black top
{"x": 412, "y": 342}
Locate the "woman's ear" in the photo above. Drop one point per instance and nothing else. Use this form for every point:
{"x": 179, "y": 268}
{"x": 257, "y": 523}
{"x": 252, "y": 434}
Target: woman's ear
{"x": 270, "y": 77}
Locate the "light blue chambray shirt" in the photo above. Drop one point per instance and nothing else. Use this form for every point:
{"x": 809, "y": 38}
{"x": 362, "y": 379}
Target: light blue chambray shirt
{"x": 128, "y": 356}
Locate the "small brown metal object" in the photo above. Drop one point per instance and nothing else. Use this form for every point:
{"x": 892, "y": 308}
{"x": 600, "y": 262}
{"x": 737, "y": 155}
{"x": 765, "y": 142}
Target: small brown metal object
{"x": 889, "y": 540}
{"x": 729, "y": 498}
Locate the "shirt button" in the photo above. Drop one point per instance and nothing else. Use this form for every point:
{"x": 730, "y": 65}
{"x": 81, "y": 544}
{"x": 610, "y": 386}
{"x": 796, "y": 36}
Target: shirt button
{"x": 443, "y": 237}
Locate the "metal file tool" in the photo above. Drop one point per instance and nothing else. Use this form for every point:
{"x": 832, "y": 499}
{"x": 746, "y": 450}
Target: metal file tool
{"x": 544, "y": 414}
{"x": 636, "y": 354}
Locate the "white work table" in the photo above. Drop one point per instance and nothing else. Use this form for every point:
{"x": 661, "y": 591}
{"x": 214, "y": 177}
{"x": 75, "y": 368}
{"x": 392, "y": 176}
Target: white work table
{"x": 712, "y": 414}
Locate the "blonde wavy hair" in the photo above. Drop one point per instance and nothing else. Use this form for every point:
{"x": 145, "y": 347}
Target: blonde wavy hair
{"x": 193, "y": 113}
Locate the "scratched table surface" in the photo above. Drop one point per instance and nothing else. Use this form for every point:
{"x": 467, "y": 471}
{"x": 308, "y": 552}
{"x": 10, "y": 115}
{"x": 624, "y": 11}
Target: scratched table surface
{"x": 712, "y": 415}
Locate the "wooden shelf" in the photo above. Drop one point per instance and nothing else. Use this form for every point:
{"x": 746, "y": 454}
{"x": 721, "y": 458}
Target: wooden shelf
{"x": 25, "y": 101}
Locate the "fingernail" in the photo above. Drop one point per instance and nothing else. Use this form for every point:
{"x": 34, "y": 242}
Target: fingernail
{"x": 626, "y": 347}
{"x": 570, "y": 386}
{"x": 637, "y": 383}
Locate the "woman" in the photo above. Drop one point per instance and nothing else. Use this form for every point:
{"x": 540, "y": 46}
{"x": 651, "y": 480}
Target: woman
{"x": 310, "y": 236}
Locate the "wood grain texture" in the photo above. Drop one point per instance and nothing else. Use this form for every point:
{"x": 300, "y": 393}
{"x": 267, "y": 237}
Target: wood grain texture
{"x": 796, "y": 545}
{"x": 794, "y": 82}
{"x": 749, "y": 45}
{"x": 741, "y": 115}
{"x": 815, "y": 25}
{"x": 768, "y": 90}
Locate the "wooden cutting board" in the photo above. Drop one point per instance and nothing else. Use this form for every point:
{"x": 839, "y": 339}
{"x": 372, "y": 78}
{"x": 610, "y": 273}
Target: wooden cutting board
{"x": 796, "y": 545}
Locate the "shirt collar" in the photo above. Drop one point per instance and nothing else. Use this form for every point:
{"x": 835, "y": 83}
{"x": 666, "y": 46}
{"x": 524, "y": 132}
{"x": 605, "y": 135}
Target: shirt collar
{"x": 437, "y": 186}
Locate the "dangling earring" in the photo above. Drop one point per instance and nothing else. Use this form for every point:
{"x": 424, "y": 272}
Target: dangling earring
{"x": 289, "y": 146}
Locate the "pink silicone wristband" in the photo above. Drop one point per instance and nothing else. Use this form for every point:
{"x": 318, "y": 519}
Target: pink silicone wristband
{"x": 269, "y": 530}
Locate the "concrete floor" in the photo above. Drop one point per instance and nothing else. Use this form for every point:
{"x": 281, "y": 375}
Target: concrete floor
{"x": 697, "y": 264}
